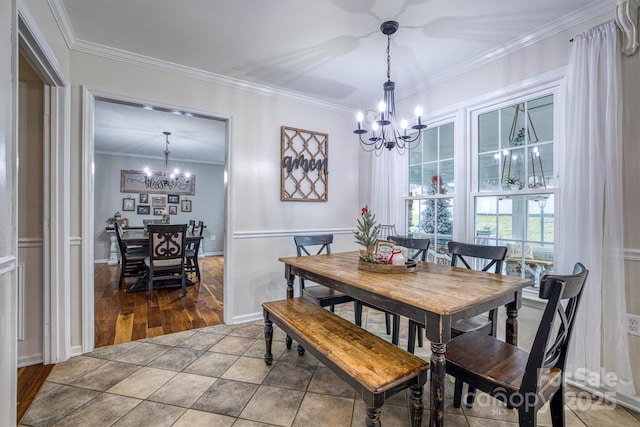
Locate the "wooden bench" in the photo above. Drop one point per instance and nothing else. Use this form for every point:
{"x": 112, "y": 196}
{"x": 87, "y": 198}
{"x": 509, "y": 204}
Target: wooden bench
{"x": 374, "y": 367}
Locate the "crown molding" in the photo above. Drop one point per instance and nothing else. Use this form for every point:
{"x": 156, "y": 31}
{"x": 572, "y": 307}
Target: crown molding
{"x": 84, "y": 46}
{"x": 592, "y": 10}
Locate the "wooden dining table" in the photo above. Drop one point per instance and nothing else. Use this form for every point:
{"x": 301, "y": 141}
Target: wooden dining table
{"x": 434, "y": 296}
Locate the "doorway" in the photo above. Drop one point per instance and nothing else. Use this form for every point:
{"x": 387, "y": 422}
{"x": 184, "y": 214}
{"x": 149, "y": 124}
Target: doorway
{"x": 127, "y": 135}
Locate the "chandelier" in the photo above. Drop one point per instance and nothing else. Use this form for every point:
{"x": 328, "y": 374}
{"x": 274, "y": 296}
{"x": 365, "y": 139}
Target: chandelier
{"x": 388, "y": 132}
{"x": 166, "y": 180}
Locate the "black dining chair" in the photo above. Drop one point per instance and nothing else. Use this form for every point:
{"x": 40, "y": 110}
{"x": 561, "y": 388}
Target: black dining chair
{"x": 321, "y": 295}
{"x": 131, "y": 257}
{"x": 524, "y": 380}
{"x": 166, "y": 258}
{"x": 192, "y": 250}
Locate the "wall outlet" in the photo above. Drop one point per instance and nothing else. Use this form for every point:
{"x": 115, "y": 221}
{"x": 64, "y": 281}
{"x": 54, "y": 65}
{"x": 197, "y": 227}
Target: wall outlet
{"x": 213, "y": 237}
{"x": 633, "y": 324}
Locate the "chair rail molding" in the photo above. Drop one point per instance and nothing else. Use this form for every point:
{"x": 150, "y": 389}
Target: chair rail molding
{"x": 627, "y": 20}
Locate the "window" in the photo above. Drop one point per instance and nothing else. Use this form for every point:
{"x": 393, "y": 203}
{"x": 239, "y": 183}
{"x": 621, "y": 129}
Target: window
{"x": 432, "y": 187}
{"x": 514, "y": 202}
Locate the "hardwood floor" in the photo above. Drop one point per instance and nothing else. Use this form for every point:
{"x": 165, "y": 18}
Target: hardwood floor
{"x": 123, "y": 317}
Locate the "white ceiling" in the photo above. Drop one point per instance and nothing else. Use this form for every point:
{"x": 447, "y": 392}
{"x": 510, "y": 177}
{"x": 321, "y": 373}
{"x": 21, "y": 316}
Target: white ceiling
{"x": 328, "y": 50}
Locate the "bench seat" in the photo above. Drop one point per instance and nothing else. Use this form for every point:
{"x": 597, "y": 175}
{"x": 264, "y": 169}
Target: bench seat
{"x": 376, "y": 368}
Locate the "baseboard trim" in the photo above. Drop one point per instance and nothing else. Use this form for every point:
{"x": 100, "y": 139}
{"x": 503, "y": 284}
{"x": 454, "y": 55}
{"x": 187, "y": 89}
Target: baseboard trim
{"x": 247, "y": 318}
{"x": 629, "y": 402}
{"x": 30, "y": 360}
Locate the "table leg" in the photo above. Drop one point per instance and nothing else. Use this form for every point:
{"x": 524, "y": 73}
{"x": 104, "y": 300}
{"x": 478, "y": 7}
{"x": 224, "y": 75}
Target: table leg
{"x": 113, "y": 250}
{"x": 290, "y": 286}
{"x": 268, "y": 338}
{"x": 438, "y": 369}
{"x": 512, "y": 325}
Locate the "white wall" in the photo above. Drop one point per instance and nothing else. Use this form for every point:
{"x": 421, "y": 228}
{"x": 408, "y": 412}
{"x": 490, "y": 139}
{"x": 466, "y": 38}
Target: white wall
{"x": 257, "y": 219}
{"x": 207, "y": 204}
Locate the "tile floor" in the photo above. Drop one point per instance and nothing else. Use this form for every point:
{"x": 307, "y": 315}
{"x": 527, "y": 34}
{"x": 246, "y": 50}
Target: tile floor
{"x": 216, "y": 376}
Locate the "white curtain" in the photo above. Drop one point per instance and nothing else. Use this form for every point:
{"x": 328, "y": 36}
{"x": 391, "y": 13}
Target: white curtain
{"x": 591, "y": 201}
{"x": 387, "y": 188}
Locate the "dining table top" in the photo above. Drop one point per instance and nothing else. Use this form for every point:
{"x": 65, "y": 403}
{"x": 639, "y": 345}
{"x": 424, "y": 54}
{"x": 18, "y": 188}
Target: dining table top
{"x": 435, "y": 288}
{"x": 139, "y": 235}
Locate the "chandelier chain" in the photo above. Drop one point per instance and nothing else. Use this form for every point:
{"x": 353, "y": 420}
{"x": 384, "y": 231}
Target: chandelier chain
{"x": 389, "y": 57}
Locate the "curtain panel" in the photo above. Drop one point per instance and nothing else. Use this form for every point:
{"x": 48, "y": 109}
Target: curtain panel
{"x": 591, "y": 211}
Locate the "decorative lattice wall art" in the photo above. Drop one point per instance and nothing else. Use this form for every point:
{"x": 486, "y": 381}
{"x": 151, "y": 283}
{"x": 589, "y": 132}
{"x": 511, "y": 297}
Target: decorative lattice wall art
{"x": 304, "y": 166}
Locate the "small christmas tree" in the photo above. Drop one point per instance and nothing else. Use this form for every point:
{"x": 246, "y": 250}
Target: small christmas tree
{"x": 367, "y": 234}
{"x": 437, "y": 216}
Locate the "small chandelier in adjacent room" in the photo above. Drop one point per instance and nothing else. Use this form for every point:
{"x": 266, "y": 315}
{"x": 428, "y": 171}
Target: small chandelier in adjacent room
{"x": 166, "y": 180}
{"x": 387, "y": 131}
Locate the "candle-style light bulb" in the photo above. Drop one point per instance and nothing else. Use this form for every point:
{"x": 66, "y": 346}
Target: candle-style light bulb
{"x": 359, "y": 118}
{"x": 418, "y": 112}
{"x": 381, "y": 107}
{"x": 404, "y": 125}
{"x": 147, "y": 171}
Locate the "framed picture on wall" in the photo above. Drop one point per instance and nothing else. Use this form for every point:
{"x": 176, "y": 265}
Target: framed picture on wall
{"x": 173, "y": 198}
{"x": 185, "y": 206}
{"x": 144, "y": 198}
{"x": 173, "y": 210}
{"x": 128, "y": 204}
{"x": 158, "y": 201}
{"x": 144, "y": 210}
{"x": 158, "y": 211}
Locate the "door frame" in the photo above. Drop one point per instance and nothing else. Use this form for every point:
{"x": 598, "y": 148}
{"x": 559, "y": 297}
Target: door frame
{"x": 57, "y": 176}
{"x": 89, "y": 96}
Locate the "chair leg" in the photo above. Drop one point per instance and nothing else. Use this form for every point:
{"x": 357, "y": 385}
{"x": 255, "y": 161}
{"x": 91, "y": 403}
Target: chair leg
{"x": 457, "y": 394}
{"x": 150, "y": 296}
{"x": 527, "y": 416}
{"x": 184, "y": 283}
{"x": 411, "y": 339}
{"x": 557, "y": 407}
{"x": 471, "y": 396}
{"x": 387, "y": 323}
{"x": 357, "y": 311}
{"x": 196, "y": 264}
{"x": 332, "y": 308}
{"x": 395, "y": 334}
{"x": 420, "y": 336}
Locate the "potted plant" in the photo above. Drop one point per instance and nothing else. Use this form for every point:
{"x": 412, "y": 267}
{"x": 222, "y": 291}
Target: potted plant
{"x": 514, "y": 183}
{"x": 367, "y": 235}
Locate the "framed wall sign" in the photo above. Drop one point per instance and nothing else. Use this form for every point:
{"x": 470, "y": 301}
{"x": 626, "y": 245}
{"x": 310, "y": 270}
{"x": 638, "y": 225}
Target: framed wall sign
{"x": 144, "y": 198}
{"x": 132, "y": 181}
{"x": 304, "y": 165}
{"x": 185, "y": 205}
{"x": 144, "y": 210}
{"x": 173, "y": 198}
{"x": 173, "y": 210}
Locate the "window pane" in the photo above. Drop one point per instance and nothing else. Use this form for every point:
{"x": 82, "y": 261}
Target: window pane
{"x": 513, "y": 169}
{"x": 445, "y": 216}
{"x": 415, "y": 155}
{"x": 541, "y": 219}
{"x": 430, "y": 145}
{"x": 415, "y": 181}
{"x": 446, "y": 141}
{"x": 505, "y": 219}
{"x": 430, "y": 175}
{"x": 489, "y": 172}
{"x": 486, "y": 219}
{"x": 512, "y": 125}
{"x": 488, "y": 132}
{"x": 541, "y": 166}
{"x": 446, "y": 172}
{"x": 541, "y": 119}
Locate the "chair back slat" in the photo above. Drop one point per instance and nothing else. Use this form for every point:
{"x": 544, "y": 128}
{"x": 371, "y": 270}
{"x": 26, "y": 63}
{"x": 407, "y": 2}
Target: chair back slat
{"x": 492, "y": 255}
{"x": 420, "y": 246}
{"x": 556, "y": 289}
{"x": 321, "y": 243}
{"x": 166, "y": 241}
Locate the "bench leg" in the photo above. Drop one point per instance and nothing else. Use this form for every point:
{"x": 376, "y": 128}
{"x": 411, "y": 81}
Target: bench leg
{"x": 416, "y": 405}
{"x": 268, "y": 338}
{"x": 288, "y": 341}
{"x": 373, "y": 417}
{"x": 300, "y": 350}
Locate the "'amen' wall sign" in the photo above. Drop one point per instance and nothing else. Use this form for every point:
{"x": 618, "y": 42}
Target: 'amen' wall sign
{"x": 304, "y": 166}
